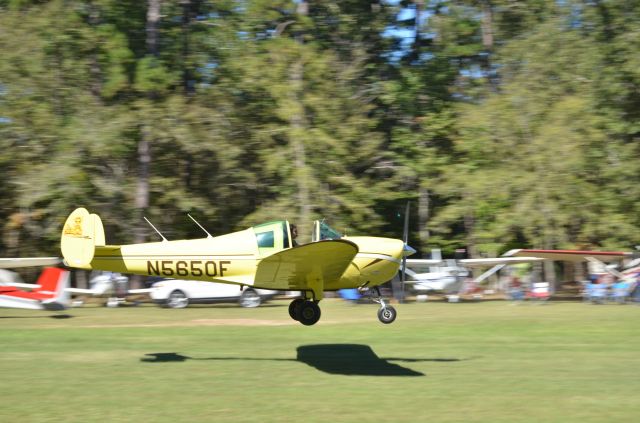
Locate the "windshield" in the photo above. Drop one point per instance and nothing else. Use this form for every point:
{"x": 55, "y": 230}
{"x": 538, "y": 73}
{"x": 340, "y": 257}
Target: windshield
{"x": 322, "y": 231}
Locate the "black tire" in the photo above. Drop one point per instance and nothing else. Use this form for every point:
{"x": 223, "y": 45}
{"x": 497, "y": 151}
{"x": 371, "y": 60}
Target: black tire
{"x": 309, "y": 313}
{"x": 387, "y": 314}
{"x": 250, "y": 298}
{"x": 177, "y": 299}
{"x": 294, "y": 308}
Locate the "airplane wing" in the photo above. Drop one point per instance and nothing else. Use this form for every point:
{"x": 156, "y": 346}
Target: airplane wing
{"x": 423, "y": 265}
{"x": 139, "y": 291}
{"x": 486, "y": 262}
{"x": 571, "y": 255}
{"x": 10, "y": 263}
{"x": 94, "y": 292}
{"x": 80, "y": 291}
{"x": 417, "y": 263}
{"x": 21, "y": 285}
{"x": 304, "y": 267}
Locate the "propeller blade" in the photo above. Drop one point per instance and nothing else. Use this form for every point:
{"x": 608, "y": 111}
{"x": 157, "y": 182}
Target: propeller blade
{"x": 405, "y": 232}
{"x": 405, "y": 239}
{"x": 403, "y": 273}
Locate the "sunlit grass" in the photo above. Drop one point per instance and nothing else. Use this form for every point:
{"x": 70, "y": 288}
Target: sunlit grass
{"x": 480, "y": 362}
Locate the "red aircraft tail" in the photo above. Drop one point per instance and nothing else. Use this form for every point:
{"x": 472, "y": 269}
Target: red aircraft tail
{"x": 53, "y": 283}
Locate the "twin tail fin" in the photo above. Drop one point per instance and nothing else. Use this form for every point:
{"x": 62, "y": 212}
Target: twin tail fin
{"x": 82, "y": 232}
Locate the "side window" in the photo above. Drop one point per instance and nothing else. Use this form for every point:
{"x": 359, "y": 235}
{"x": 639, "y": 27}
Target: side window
{"x": 266, "y": 239}
{"x": 271, "y": 237}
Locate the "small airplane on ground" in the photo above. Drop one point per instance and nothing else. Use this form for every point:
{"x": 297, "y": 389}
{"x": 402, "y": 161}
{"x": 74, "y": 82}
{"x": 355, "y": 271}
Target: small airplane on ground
{"x": 450, "y": 276}
{"x": 601, "y": 260}
{"x": 262, "y": 256}
{"x": 49, "y": 292}
{"x": 434, "y": 275}
{"x": 105, "y": 284}
{"x": 113, "y": 286}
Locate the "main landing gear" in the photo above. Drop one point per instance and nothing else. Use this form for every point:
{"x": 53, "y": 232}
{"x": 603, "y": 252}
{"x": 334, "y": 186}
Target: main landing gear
{"x": 306, "y": 312}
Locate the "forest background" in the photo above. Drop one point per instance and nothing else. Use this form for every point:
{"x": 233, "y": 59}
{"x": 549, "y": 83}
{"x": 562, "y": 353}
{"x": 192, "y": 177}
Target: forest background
{"x": 506, "y": 123}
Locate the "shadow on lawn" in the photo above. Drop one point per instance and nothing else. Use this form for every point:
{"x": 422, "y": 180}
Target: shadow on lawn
{"x": 341, "y": 359}
{"x": 55, "y": 316}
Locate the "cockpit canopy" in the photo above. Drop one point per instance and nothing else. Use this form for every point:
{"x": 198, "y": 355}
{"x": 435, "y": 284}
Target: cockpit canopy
{"x": 275, "y": 236}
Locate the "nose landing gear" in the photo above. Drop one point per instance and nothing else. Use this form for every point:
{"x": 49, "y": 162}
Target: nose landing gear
{"x": 386, "y": 313}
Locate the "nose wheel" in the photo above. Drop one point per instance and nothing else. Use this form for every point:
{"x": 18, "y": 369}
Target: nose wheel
{"x": 386, "y": 313}
{"x": 304, "y": 311}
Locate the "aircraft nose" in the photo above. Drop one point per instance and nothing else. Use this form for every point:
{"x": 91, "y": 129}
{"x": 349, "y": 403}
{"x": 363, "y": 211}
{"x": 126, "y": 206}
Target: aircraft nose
{"x": 407, "y": 250}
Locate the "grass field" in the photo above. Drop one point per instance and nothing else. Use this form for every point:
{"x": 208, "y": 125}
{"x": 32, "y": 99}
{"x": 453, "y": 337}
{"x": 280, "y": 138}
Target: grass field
{"x": 468, "y": 362}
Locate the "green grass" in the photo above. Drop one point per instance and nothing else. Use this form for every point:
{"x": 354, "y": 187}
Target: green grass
{"x": 480, "y": 362}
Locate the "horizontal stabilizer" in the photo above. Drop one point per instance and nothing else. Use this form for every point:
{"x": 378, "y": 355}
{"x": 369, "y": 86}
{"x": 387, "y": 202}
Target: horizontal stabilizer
{"x": 10, "y": 263}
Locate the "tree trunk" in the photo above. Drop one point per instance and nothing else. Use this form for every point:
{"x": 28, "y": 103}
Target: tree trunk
{"x": 153, "y": 19}
{"x": 95, "y": 71}
{"x": 487, "y": 42}
{"x": 469, "y": 228}
{"x": 81, "y": 279}
{"x": 415, "y": 51}
{"x": 424, "y": 201}
{"x": 144, "y": 144}
{"x": 188, "y": 12}
{"x": 487, "y": 25}
{"x": 298, "y": 129}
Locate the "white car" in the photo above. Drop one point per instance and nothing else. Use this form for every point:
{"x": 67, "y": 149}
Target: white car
{"x": 178, "y": 293}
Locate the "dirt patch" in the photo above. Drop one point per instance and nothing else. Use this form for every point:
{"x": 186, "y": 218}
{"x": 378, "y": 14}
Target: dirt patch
{"x": 240, "y": 322}
{"x": 191, "y": 323}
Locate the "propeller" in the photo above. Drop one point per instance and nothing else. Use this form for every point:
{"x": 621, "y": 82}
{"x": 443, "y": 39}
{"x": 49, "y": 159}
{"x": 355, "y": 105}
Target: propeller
{"x": 406, "y": 249}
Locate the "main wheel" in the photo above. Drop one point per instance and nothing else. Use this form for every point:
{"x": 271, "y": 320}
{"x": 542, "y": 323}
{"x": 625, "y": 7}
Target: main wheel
{"x": 250, "y": 298}
{"x": 309, "y": 313}
{"x": 177, "y": 299}
{"x": 387, "y": 314}
{"x": 294, "y": 308}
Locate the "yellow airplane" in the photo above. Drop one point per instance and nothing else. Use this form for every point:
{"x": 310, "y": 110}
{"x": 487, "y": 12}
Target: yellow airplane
{"x": 262, "y": 256}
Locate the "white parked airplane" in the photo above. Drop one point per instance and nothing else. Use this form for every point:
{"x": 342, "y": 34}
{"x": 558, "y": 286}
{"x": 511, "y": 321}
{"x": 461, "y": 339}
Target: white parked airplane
{"x": 451, "y": 276}
{"x": 112, "y": 285}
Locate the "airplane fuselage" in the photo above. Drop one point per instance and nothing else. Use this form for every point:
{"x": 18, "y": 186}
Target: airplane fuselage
{"x": 376, "y": 262}
{"x": 251, "y": 257}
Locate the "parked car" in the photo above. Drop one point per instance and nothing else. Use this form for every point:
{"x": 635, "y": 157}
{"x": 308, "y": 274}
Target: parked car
{"x": 179, "y": 293}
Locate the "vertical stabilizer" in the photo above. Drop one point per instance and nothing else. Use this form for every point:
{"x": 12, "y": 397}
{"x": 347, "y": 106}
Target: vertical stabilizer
{"x": 80, "y": 235}
{"x": 53, "y": 283}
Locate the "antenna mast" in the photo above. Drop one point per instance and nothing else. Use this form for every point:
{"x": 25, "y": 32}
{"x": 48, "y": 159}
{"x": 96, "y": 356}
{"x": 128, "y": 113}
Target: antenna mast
{"x": 154, "y": 228}
{"x": 201, "y": 227}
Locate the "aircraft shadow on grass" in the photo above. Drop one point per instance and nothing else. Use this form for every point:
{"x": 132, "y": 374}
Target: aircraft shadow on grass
{"x": 340, "y": 359}
{"x": 55, "y": 316}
